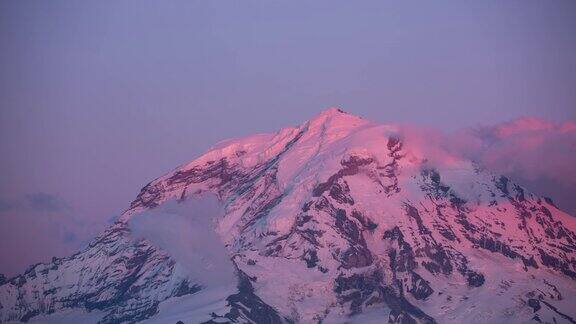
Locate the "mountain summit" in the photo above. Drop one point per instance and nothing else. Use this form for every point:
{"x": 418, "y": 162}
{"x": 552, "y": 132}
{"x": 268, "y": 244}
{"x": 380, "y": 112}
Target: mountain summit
{"x": 338, "y": 220}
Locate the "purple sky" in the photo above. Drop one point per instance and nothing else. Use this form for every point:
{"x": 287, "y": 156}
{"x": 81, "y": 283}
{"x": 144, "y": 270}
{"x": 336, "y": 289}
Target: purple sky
{"x": 98, "y": 98}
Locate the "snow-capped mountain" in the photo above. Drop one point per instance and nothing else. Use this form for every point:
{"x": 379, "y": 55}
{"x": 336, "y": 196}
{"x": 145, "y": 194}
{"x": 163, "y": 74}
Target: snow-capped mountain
{"x": 338, "y": 220}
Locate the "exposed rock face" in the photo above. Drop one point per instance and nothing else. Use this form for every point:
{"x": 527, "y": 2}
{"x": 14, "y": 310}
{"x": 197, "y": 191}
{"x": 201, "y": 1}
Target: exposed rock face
{"x": 247, "y": 307}
{"x": 334, "y": 219}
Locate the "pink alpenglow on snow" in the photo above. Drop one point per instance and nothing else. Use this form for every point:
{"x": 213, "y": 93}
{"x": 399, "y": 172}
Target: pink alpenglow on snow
{"x": 98, "y": 98}
{"x": 336, "y": 220}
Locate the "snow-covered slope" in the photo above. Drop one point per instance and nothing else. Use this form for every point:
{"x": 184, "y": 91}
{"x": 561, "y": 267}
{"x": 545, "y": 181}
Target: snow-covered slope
{"x": 337, "y": 220}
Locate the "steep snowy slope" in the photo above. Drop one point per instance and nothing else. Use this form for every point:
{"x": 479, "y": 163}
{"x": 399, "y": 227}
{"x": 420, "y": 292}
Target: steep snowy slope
{"x": 337, "y": 220}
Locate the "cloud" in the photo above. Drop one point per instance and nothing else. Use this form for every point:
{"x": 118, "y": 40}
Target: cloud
{"x": 186, "y": 230}
{"x": 70, "y": 237}
{"x": 40, "y": 225}
{"x": 536, "y": 153}
{"x": 46, "y": 202}
{"x": 6, "y": 205}
{"x": 539, "y": 154}
{"x": 531, "y": 149}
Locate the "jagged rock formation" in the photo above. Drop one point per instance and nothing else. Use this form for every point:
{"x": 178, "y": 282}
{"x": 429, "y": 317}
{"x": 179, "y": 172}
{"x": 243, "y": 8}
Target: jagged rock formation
{"x": 336, "y": 220}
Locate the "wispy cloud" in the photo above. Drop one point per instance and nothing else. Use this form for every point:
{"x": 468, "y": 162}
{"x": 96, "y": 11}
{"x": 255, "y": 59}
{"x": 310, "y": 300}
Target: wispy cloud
{"x": 186, "y": 230}
{"x": 537, "y": 153}
{"x": 6, "y": 205}
{"x": 531, "y": 149}
{"x": 40, "y": 225}
{"x": 42, "y": 201}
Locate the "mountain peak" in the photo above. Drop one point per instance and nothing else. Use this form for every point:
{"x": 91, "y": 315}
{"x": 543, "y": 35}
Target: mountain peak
{"x": 333, "y": 112}
{"x": 334, "y": 117}
{"x": 333, "y": 214}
